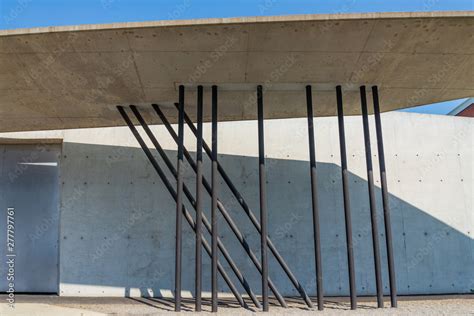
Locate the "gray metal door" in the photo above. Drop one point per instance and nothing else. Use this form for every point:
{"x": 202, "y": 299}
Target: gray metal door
{"x": 29, "y": 183}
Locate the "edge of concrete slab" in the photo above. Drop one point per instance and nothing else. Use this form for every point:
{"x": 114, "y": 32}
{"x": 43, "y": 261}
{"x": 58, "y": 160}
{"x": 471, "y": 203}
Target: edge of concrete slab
{"x": 241, "y": 20}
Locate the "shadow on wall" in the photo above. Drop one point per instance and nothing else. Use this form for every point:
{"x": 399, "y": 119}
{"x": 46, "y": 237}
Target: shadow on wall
{"x": 117, "y": 229}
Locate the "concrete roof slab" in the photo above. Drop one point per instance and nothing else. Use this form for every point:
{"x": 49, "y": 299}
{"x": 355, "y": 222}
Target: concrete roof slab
{"x": 71, "y": 77}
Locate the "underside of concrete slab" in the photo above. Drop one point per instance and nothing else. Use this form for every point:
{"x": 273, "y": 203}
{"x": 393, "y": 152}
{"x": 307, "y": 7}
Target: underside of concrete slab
{"x": 73, "y": 77}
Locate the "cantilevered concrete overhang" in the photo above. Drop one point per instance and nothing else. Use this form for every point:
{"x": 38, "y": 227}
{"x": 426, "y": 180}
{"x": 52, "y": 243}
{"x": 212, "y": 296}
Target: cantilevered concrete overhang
{"x": 73, "y": 77}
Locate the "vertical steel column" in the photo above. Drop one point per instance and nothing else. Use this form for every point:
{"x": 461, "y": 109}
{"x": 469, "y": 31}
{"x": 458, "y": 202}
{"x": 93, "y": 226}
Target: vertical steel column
{"x": 314, "y": 199}
{"x": 198, "y": 282}
{"x": 179, "y": 201}
{"x": 347, "y": 206}
{"x": 372, "y": 203}
{"x": 214, "y": 199}
{"x": 263, "y": 198}
{"x": 385, "y": 200}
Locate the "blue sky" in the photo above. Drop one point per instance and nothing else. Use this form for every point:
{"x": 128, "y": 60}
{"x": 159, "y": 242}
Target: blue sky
{"x": 36, "y": 13}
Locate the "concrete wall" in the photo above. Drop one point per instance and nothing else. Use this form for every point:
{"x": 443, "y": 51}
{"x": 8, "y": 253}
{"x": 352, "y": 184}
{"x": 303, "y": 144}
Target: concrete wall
{"x": 117, "y": 220}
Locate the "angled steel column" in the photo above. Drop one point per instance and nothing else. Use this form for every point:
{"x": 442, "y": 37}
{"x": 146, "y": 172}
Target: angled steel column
{"x": 347, "y": 206}
{"x": 179, "y": 201}
{"x": 372, "y": 203}
{"x": 214, "y": 200}
{"x": 173, "y": 194}
{"x": 314, "y": 199}
{"x": 250, "y": 215}
{"x": 223, "y": 211}
{"x": 198, "y": 281}
{"x": 263, "y": 198}
{"x": 385, "y": 200}
{"x": 190, "y": 197}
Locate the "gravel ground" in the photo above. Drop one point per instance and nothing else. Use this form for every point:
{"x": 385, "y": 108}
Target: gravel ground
{"x": 415, "y": 305}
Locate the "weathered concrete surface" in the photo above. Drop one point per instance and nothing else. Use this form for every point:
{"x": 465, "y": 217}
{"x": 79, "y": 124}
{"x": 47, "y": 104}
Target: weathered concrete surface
{"x": 70, "y": 77}
{"x": 117, "y": 220}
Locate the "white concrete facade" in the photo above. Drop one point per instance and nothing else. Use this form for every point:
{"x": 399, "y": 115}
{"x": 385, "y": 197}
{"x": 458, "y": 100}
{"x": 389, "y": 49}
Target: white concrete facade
{"x": 117, "y": 220}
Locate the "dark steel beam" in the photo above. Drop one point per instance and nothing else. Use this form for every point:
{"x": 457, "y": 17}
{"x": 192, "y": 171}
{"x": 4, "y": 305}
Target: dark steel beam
{"x": 179, "y": 202}
{"x": 250, "y": 215}
{"x": 198, "y": 281}
{"x": 314, "y": 200}
{"x": 222, "y": 209}
{"x": 263, "y": 198}
{"x": 214, "y": 200}
{"x": 173, "y": 193}
{"x": 372, "y": 203}
{"x": 347, "y": 206}
{"x": 385, "y": 199}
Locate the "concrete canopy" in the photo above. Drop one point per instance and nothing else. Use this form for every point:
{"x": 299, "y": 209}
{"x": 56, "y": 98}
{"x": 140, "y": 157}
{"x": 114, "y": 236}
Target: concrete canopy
{"x": 72, "y": 77}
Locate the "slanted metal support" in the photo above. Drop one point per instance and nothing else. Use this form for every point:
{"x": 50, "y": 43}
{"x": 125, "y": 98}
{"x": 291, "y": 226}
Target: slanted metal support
{"x": 222, "y": 209}
{"x": 347, "y": 206}
{"x": 372, "y": 203}
{"x": 193, "y": 203}
{"x": 314, "y": 200}
{"x": 263, "y": 198}
{"x": 198, "y": 273}
{"x": 385, "y": 200}
{"x": 173, "y": 193}
{"x": 250, "y": 215}
{"x": 179, "y": 202}
{"x": 214, "y": 200}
